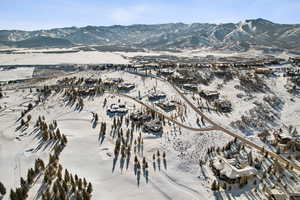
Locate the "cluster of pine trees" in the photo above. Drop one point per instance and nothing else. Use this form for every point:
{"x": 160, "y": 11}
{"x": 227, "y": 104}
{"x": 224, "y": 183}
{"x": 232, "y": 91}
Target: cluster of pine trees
{"x": 24, "y": 123}
{"x": 68, "y": 81}
{"x": 71, "y": 95}
{"x": 123, "y": 144}
{"x": 21, "y": 193}
{"x": 24, "y": 112}
{"x": 45, "y": 91}
{"x": 137, "y": 169}
{"x": 158, "y": 160}
{"x": 50, "y": 132}
{"x": 64, "y": 185}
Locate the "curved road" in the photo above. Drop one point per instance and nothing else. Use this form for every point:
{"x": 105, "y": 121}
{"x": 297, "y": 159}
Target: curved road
{"x": 242, "y": 139}
{"x": 215, "y": 126}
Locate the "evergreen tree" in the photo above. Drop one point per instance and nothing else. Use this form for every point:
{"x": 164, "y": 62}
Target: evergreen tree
{"x": 13, "y": 195}
{"x": 22, "y": 122}
{"x": 67, "y": 176}
{"x": 80, "y": 184}
{"x": 90, "y": 188}
{"x": 84, "y": 182}
{"x": 2, "y": 189}
{"x": 23, "y": 182}
{"x": 28, "y": 118}
{"x": 214, "y": 186}
{"x": 30, "y": 106}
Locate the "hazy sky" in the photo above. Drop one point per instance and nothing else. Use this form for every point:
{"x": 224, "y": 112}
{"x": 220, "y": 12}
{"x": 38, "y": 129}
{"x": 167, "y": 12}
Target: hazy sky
{"x": 44, "y": 14}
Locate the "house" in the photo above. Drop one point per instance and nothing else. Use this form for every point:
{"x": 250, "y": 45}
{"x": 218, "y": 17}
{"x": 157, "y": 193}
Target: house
{"x": 154, "y": 96}
{"x": 222, "y": 73}
{"x": 166, "y": 105}
{"x": 112, "y": 81}
{"x": 286, "y": 142}
{"x": 90, "y": 81}
{"x": 284, "y": 138}
{"x": 153, "y": 126}
{"x": 164, "y": 72}
{"x": 295, "y": 194}
{"x": 263, "y": 71}
{"x": 126, "y": 86}
{"x": 276, "y": 193}
{"x": 180, "y": 79}
{"x": 295, "y": 79}
{"x": 264, "y": 135}
{"x": 223, "y": 105}
{"x": 191, "y": 87}
{"x": 209, "y": 94}
{"x": 86, "y": 92}
{"x": 117, "y": 108}
{"x": 226, "y": 170}
{"x": 139, "y": 116}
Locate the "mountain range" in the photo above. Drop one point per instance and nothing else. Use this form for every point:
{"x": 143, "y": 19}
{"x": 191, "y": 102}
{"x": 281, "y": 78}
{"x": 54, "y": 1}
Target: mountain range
{"x": 253, "y": 33}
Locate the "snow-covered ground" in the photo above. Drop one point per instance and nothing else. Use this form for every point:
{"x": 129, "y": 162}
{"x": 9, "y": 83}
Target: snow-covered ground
{"x": 35, "y": 57}
{"x": 93, "y": 57}
{"x": 86, "y": 156}
{"x": 16, "y": 74}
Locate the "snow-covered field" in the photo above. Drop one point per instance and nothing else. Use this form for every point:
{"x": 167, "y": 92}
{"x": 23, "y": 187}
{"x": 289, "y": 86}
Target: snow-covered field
{"x": 62, "y": 58}
{"x": 35, "y": 57}
{"x": 16, "y": 74}
{"x": 86, "y": 156}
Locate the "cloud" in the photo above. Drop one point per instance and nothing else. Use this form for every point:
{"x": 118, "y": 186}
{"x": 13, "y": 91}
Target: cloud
{"x": 128, "y": 15}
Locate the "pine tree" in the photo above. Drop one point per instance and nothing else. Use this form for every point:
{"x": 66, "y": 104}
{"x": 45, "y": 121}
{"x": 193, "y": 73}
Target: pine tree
{"x": 23, "y": 182}
{"x": 80, "y": 184}
{"x": 55, "y": 189}
{"x": 76, "y": 178}
{"x": 84, "y": 182}
{"x": 214, "y": 186}
{"x": 2, "y": 189}
{"x": 30, "y": 106}
{"x": 22, "y": 122}
{"x": 67, "y": 176}
{"x": 86, "y": 195}
{"x": 28, "y": 118}
{"x": 90, "y": 188}
{"x": 65, "y": 186}
{"x": 13, "y": 195}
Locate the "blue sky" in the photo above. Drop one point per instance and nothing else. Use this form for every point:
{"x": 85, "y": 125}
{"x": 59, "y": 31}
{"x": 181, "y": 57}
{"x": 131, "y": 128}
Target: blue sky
{"x": 44, "y": 14}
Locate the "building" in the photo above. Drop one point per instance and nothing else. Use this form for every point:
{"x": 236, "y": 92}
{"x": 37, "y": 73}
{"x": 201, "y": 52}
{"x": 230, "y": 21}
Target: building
{"x": 166, "y": 105}
{"x": 117, "y": 108}
{"x": 154, "y": 96}
{"x": 276, "y": 193}
{"x": 180, "y": 79}
{"x": 126, "y": 86}
{"x": 191, "y": 87}
{"x": 86, "y": 92}
{"x": 112, "y": 81}
{"x": 165, "y": 72}
{"x": 223, "y": 105}
{"x": 263, "y": 71}
{"x": 90, "y": 81}
{"x": 153, "y": 126}
{"x": 295, "y": 194}
{"x": 209, "y": 94}
{"x": 139, "y": 116}
{"x": 226, "y": 170}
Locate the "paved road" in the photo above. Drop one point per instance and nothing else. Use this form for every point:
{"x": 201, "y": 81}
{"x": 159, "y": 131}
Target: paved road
{"x": 242, "y": 139}
{"x": 215, "y": 126}
{"x": 167, "y": 117}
